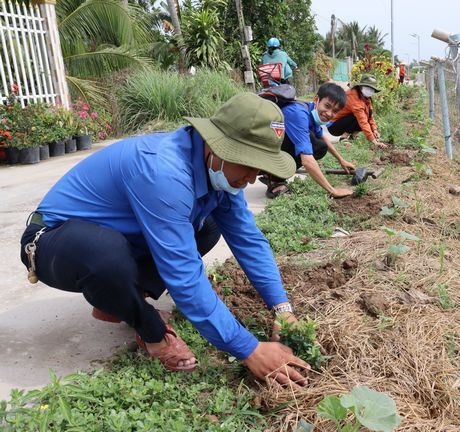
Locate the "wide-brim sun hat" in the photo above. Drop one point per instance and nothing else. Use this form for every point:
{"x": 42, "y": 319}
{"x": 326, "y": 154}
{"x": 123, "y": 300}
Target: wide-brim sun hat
{"x": 369, "y": 81}
{"x": 248, "y": 130}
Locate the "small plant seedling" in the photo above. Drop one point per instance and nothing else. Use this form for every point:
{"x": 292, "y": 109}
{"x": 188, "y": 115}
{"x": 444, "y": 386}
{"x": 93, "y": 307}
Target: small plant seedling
{"x": 394, "y": 211}
{"x": 374, "y": 410}
{"x": 445, "y": 301}
{"x": 301, "y": 337}
{"x": 397, "y": 246}
{"x": 361, "y": 189}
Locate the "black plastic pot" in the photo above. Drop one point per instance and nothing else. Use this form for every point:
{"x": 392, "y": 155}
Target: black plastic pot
{"x": 12, "y": 154}
{"x": 44, "y": 151}
{"x": 57, "y": 148}
{"x": 84, "y": 142}
{"x": 29, "y": 155}
{"x": 70, "y": 145}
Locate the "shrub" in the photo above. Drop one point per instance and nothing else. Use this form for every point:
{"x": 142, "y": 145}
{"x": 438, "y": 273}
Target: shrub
{"x": 152, "y": 95}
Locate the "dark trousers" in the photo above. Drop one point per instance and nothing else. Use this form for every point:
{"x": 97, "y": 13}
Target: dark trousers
{"x": 319, "y": 151}
{"x": 110, "y": 271}
{"x": 347, "y": 124}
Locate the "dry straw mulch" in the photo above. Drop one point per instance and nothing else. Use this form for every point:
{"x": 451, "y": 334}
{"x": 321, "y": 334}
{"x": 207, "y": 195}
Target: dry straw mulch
{"x": 395, "y": 329}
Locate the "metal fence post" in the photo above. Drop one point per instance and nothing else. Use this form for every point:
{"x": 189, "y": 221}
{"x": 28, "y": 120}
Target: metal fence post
{"x": 431, "y": 91}
{"x": 444, "y": 110}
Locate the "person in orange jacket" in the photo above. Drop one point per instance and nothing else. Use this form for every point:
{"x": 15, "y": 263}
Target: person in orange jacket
{"x": 402, "y": 72}
{"x": 357, "y": 114}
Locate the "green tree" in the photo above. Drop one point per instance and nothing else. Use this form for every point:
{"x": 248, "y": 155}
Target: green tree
{"x": 353, "y": 41}
{"x": 290, "y": 21}
{"x": 98, "y": 38}
{"x": 204, "y": 44}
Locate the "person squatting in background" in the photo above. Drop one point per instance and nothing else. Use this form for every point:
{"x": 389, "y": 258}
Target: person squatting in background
{"x": 357, "y": 114}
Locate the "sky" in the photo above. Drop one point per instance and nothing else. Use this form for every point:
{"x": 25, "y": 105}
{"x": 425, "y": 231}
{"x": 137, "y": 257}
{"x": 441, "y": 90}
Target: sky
{"x": 419, "y": 17}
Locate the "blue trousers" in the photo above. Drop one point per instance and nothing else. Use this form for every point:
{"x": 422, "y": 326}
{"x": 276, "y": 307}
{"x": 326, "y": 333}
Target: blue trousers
{"x": 110, "y": 271}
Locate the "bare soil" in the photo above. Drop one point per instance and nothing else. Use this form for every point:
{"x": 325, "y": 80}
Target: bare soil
{"x": 393, "y": 325}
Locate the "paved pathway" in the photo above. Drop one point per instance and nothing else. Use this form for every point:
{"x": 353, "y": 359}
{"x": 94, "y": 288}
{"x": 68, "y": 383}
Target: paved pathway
{"x": 42, "y": 328}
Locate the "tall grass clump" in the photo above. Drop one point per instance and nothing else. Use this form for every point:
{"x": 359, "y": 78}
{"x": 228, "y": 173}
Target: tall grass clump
{"x": 207, "y": 91}
{"x": 150, "y": 95}
{"x": 156, "y": 96}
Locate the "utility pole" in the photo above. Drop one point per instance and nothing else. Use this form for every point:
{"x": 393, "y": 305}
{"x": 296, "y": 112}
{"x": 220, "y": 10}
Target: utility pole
{"x": 333, "y": 27}
{"x": 246, "y": 36}
{"x": 392, "y": 37}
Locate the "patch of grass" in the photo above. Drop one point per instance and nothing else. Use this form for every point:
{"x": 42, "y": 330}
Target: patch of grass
{"x": 290, "y": 222}
{"x": 444, "y": 298}
{"x": 135, "y": 394}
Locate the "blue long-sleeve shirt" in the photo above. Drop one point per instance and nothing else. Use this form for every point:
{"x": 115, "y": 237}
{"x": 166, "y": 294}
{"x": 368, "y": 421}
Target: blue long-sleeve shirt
{"x": 154, "y": 189}
{"x": 299, "y": 122}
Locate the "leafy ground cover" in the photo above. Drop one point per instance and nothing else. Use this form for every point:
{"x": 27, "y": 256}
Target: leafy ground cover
{"x": 385, "y": 299}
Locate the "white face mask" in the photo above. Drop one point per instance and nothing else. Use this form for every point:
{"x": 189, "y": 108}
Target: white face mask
{"x": 218, "y": 180}
{"x": 367, "y": 91}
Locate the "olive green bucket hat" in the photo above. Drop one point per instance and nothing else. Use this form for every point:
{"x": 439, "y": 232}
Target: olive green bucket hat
{"x": 248, "y": 130}
{"x": 369, "y": 81}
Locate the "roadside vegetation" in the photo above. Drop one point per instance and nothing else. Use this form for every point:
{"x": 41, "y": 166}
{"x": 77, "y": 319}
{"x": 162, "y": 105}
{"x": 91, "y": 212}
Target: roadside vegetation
{"x": 374, "y": 277}
{"x": 133, "y": 393}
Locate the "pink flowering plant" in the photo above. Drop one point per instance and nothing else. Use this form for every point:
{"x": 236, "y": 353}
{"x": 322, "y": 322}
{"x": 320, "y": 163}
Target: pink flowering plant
{"x": 89, "y": 121}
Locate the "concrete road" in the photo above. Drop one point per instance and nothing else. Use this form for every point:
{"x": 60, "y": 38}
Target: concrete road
{"x": 42, "y": 328}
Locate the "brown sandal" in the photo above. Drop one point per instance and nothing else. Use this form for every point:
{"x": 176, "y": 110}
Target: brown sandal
{"x": 104, "y": 316}
{"x": 175, "y": 351}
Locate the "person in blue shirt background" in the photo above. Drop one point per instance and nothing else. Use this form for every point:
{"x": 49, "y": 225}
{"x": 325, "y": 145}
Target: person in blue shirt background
{"x": 305, "y": 142}
{"x": 275, "y": 54}
{"x": 136, "y": 218}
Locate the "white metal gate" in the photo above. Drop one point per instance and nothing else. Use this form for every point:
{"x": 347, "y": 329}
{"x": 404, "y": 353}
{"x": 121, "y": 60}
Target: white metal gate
{"x": 26, "y": 54}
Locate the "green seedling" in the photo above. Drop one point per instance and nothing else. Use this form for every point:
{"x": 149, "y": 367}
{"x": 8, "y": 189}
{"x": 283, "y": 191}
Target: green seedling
{"x": 397, "y": 246}
{"x": 423, "y": 170}
{"x": 395, "y": 210}
{"x": 445, "y": 300}
{"x": 363, "y": 406}
{"x": 301, "y": 337}
{"x": 361, "y": 189}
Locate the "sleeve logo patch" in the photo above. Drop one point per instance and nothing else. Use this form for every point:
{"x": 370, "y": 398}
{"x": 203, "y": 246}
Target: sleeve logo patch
{"x": 278, "y": 127}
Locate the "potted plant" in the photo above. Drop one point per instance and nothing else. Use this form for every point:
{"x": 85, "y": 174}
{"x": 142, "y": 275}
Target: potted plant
{"x": 66, "y": 125}
{"x": 82, "y": 119}
{"x": 41, "y": 130}
{"x": 56, "y": 131}
{"x": 19, "y": 123}
{"x": 91, "y": 124}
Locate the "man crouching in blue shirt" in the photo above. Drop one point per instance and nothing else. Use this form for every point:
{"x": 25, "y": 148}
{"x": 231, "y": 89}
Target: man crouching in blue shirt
{"x": 136, "y": 218}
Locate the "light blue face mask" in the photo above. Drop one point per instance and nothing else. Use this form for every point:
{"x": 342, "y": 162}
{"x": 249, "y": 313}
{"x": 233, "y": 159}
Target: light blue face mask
{"x": 218, "y": 180}
{"x": 314, "y": 113}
